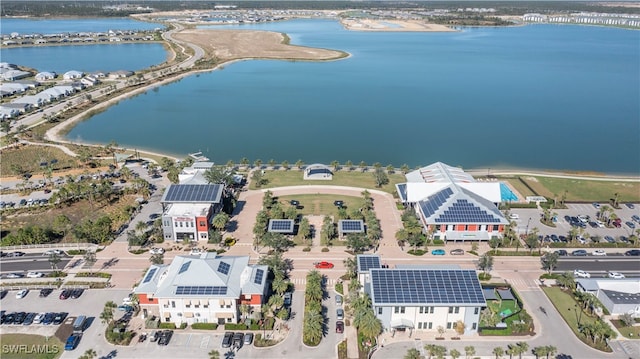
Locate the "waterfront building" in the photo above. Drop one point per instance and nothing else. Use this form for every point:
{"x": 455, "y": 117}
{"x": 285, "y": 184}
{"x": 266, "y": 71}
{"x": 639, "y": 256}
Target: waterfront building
{"x": 204, "y": 288}
{"x": 452, "y": 205}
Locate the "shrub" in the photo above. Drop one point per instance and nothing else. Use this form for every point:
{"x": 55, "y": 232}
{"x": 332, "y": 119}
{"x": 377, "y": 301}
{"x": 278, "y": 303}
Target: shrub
{"x": 438, "y": 242}
{"x": 93, "y": 275}
{"x": 339, "y": 288}
{"x": 254, "y": 327}
{"x": 234, "y": 326}
{"x": 167, "y": 326}
{"x": 260, "y": 342}
{"x": 183, "y": 326}
{"x": 325, "y": 249}
{"x": 306, "y": 249}
{"x": 484, "y": 276}
{"x": 417, "y": 252}
{"x": 205, "y": 326}
{"x": 138, "y": 251}
{"x": 75, "y": 252}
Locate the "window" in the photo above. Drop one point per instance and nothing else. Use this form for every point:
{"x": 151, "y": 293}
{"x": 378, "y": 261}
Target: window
{"x": 419, "y": 325}
{"x": 450, "y": 310}
{"x": 474, "y": 326}
{"x": 476, "y": 310}
{"x": 202, "y": 224}
{"x": 173, "y": 304}
{"x": 455, "y": 324}
{"x": 167, "y": 319}
{"x": 179, "y": 314}
{"x": 396, "y": 310}
{"x": 448, "y": 325}
{"x": 430, "y": 325}
{"x": 454, "y": 310}
{"x": 438, "y": 227}
{"x": 402, "y": 310}
{"x": 206, "y": 305}
{"x": 379, "y": 310}
{"x": 495, "y": 227}
{"x": 228, "y": 320}
{"x": 421, "y": 311}
{"x": 188, "y": 305}
{"x": 180, "y": 224}
{"x": 431, "y": 310}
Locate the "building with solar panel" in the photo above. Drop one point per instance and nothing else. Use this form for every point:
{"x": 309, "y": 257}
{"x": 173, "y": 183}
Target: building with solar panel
{"x": 202, "y": 289}
{"x": 452, "y": 204}
{"x": 422, "y": 297}
{"x": 188, "y": 210}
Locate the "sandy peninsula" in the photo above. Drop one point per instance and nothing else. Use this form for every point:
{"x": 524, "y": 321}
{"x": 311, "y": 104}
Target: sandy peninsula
{"x": 393, "y": 25}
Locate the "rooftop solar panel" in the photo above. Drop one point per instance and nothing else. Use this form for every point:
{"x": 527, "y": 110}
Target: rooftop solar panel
{"x": 351, "y": 226}
{"x": 224, "y": 268}
{"x": 463, "y": 211}
{"x": 200, "y": 290}
{"x": 193, "y": 193}
{"x": 149, "y": 275}
{"x": 259, "y": 275}
{"x": 444, "y": 287}
{"x": 433, "y": 202}
{"x": 281, "y": 225}
{"x": 368, "y": 262}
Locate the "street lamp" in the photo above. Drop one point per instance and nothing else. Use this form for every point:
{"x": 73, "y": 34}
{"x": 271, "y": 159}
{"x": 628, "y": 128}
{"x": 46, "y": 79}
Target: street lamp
{"x": 526, "y": 231}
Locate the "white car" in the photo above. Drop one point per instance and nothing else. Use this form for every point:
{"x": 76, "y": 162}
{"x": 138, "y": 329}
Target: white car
{"x": 514, "y": 216}
{"x": 22, "y": 293}
{"x": 599, "y": 252}
{"x": 600, "y": 224}
{"x": 581, "y": 274}
{"x": 195, "y": 252}
{"x": 156, "y": 250}
{"x": 582, "y": 240}
{"x": 616, "y": 275}
{"x": 35, "y": 275}
{"x": 52, "y": 251}
{"x": 38, "y": 318}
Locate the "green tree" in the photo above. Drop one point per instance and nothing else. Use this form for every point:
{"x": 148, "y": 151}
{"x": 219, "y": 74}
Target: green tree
{"x": 258, "y": 164}
{"x": 336, "y": 165}
{"x": 304, "y": 229}
{"x": 54, "y": 259}
{"x": 214, "y": 354}
{"x": 469, "y": 351}
{"x": 222, "y": 175}
{"x": 312, "y": 328}
{"x": 349, "y": 165}
{"x": 90, "y": 258}
{"x": 540, "y": 351}
{"x": 88, "y": 354}
{"x": 532, "y": 241}
{"x": 627, "y": 319}
{"x": 277, "y": 241}
{"x": 157, "y": 259}
{"x": 220, "y": 221}
{"x": 299, "y": 164}
{"x": 413, "y": 353}
{"x": 550, "y": 261}
{"x": 455, "y": 354}
{"x": 358, "y": 242}
{"x": 285, "y": 165}
{"x": 551, "y": 351}
{"x": 523, "y": 347}
{"x": 61, "y": 224}
{"x": 272, "y": 163}
{"x": 405, "y": 168}
{"x": 244, "y": 162}
{"x": 363, "y": 166}
{"x": 370, "y": 326}
{"x": 380, "y": 176}
{"x": 279, "y": 284}
{"x": 485, "y": 263}
{"x": 498, "y": 352}
{"x": 566, "y": 280}
{"x": 351, "y": 267}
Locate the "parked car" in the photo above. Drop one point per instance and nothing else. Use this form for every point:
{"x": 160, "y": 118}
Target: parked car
{"x": 59, "y": 318}
{"x": 609, "y": 239}
{"x": 596, "y": 205}
{"x": 562, "y": 252}
{"x": 630, "y": 224}
{"x": 599, "y": 252}
{"x": 323, "y": 265}
{"x": 248, "y": 338}
{"x": 154, "y": 336}
{"x": 340, "y": 314}
{"x": 76, "y": 293}
{"x": 65, "y": 294}
{"x": 339, "y": 326}
{"x": 579, "y": 253}
{"x": 630, "y": 205}
{"x": 457, "y": 252}
{"x": 28, "y": 320}
{"x": 52, "y": 251}
{"x": 287, "y": 299}
{"x": 632, "y": 252}
{"x": 615, "y": 275}
{"x": 14, "y": 275}
{"x": 22, "y": 293}
{"x": 19, "y": 317}
{"x": 44, "y": 292}
{"x": 636, "y": 218}
{"x": 438, "y": 252}
{"x": 514, "y": 216}
{"x": 165, "y": 337}
{"x": 35, "y": 275}
{"x": 48, "y": 318}
{"x": 125, "y": 308}
{"x": 338, "y": 300}
{"x": 581, "y": 274}
{"x": 156, "y": 250}
{"x": 38, "y": 318}
{"x": 226, "y": 339}
{"x": 72, "y": 342}
{"x": 238, "y": 340}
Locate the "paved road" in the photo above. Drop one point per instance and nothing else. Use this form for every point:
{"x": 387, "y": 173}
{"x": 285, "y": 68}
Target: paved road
{"x": 601, "y": 265}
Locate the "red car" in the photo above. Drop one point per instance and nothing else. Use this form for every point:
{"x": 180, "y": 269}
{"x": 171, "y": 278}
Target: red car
{"x": 323, "y": 265}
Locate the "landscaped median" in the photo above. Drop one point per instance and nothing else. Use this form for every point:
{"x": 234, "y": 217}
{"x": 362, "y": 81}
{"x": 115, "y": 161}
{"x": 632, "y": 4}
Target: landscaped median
{"x": 588, "y": 327}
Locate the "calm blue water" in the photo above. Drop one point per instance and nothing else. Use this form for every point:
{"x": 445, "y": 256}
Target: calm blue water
{"x": 55, "y": 26}
{"x": 103, "y": 57}
{"x": 544, "y": 96}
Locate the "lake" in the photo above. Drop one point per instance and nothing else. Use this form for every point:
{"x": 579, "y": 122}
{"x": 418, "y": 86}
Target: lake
{"x": 540, "y": 96}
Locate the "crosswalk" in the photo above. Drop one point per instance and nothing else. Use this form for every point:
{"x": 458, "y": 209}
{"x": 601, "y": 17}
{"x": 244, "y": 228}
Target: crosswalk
{"x": 303, "y": 281}
{"x": 524, "y": 284}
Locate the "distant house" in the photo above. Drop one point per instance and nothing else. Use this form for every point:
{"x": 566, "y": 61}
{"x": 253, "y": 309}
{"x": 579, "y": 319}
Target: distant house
{"x": 120, "y": 74}
{"x": 13, "y": 75}
{"x": 46, "y": 75}
{"x": 619, "y": 296}
{"x": 71, "y": 75}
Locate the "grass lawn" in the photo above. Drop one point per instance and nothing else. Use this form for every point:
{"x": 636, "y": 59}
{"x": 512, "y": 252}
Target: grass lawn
{"x": 500, "y": 306}
{"x": 321, "y": 204}
{"x": 566, "y": 305}
{"x": 585, "y": 190}
{"x": 293, "y": 177}
{"x": 518, "y": 185}
{"x": 30, "y": 157}
{"x": 627, "y": 332}
{"x": 30, "y": 346}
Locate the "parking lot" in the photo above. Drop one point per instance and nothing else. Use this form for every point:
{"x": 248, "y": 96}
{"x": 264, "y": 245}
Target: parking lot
{"x": 530, "y": 219}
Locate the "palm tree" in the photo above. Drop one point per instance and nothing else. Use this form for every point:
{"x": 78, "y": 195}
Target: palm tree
{"x": 540, "y": 351}
{"x": 349, "y": 165}
{"x": 469, "y": 350}
{"x": 551, "y": 351}
{"x": 141, "y": 227}
{"x": 285, "y": 165}
{"x": 279, "y": 284}
{"x": 214, "y": 354}
{"x": 258, "y": 163}
{"x": 313, "y": 292}
{"x": 370, "y": 326}
{"x": 523, "y": 347}
{"x": 351, "y": 267}
{"x": 89, "y": 354}
{"x": 272, "y": 163}
{"x": 245, "y": 162}
{"x": 413, "y": 353}
{"x": 336, "y": 165}
{"x": 405, "y": 168}
{"x": 454, "y": 354}
{"x": 245, "y": 309}
{"x": 220, "y": 221}
{"x": 299, "y": 164}
{"x": 498, "y": 352}
{"x": 566, "y": 280}
{"x": 363, "y": 166}
{"x": 312, "y": 328}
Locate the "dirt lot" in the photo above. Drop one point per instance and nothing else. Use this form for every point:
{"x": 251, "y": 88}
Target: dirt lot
{"x": 236, "y": 44}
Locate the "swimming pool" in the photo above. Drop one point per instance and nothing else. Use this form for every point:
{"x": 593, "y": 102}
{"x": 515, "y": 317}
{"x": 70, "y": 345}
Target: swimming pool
{"x": 506, "y": 194}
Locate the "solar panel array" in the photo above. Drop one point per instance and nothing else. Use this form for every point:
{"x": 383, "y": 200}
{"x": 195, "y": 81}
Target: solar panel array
{"x": 224, "y": 268}
{"x": 465, "y": 211}
{"x": 193, "y": 193}
{"x": 184, "y": 267}
{"x": 150, "y": 275}
{"x": 200, "y": 290}
{"x": 281, "y": 225}
{"x": 351, "y": 226}
{"x": 367, "y": 262}
{"x": 259, "y": 275}
{"x": 426, "y": 287}
{"x": 431, "y": 205}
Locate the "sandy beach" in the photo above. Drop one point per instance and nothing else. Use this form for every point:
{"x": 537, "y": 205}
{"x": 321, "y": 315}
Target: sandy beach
{"x": 393, "y": 25}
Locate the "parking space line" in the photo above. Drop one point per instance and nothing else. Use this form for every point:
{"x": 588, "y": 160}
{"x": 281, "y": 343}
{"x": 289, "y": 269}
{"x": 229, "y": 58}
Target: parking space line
{"x": 204, "y": 343}
{"x": 186, "y": 344}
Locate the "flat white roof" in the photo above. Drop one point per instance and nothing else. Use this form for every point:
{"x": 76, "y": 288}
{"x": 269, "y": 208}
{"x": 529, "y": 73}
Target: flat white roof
{"x": 187, "y": 209}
